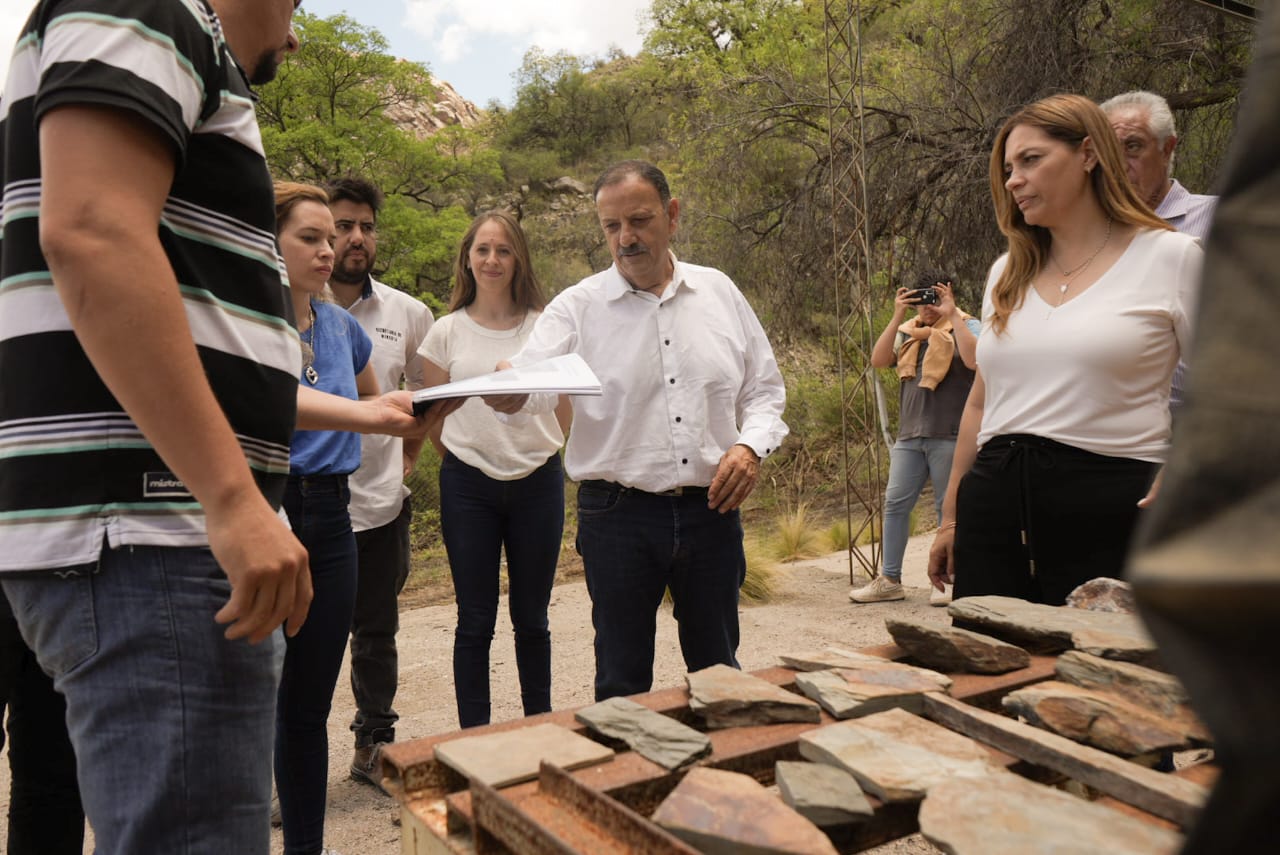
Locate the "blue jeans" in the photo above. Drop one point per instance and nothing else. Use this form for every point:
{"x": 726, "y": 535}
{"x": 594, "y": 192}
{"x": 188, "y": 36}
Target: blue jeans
{"x": 910, "y": 462}
{"x": 634, "y": 546}
{"x": 317, "y": 509}
{"x": 170, "y": 721}
{"x": 478, "y": 517}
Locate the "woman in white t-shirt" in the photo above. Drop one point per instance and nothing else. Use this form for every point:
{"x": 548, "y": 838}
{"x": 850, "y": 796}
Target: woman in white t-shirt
{"x": 501, "y": 486}
{"x": 1084, "y": 319}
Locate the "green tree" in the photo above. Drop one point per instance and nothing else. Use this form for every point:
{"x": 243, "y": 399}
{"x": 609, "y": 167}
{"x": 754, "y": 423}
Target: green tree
{"x": 339, "y": 107}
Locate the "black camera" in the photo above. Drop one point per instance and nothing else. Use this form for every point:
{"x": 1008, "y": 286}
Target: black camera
{"x": 923, "y": 296}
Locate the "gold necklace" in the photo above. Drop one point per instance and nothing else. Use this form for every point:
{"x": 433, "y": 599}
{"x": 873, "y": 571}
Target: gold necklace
{"x": 308, "y": 350}
{"x": 1073, "y": 275}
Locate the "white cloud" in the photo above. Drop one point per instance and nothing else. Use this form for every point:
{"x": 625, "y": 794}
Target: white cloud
{"x": 463, "y": 28}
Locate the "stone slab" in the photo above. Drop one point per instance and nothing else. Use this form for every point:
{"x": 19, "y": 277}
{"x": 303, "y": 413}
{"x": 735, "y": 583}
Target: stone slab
{"x": 825, "y": 795}
{"x": 1147, "y": 688}
{"x": 650, "y": 734}
{"x": 509, "y": 757}
{"x": 1058, "y": 627}
{"x": 1005, "y": 814}
{"x": 727, "y": 697}
{"x": 831, "y": 658}
{"x": 1095, "y": 717}
{"x": 896, "y": 756}
{"x": 948, "y": 648}
{"x": 728, "y": 813}
{"x": 1103, "y": 595}
{"x": 845, "y": 695}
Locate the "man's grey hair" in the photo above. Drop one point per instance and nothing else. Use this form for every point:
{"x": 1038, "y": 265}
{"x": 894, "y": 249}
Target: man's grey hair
{"x": 1159, "y": 116}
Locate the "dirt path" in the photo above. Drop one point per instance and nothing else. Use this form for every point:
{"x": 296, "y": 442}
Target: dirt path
{"x": 810, "y": 610}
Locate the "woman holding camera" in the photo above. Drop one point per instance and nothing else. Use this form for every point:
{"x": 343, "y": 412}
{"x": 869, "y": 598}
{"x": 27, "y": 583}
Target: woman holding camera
{"x": 935, "y": 356}
{"x": 1084, "y": 319}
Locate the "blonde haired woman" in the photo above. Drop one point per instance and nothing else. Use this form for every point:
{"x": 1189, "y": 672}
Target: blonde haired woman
{"x": 1084, "y": 319}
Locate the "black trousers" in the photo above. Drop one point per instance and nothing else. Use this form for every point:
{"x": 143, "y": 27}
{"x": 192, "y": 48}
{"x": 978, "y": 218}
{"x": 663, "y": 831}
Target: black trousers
{"x": 45, "y": 816}
{"x": 1036, "y": 518}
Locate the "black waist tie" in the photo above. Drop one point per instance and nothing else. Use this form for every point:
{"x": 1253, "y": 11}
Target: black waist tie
{"x": 1025, "y": 451}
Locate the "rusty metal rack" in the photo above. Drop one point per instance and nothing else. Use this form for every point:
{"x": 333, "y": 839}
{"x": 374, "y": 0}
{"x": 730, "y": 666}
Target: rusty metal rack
{"x": 604, "y": 808}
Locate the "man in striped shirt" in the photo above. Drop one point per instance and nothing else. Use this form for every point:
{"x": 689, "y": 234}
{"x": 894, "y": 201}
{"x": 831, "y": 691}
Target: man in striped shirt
{"x": 148, "y": 379}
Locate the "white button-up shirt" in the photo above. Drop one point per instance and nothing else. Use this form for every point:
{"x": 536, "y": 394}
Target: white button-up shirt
{"x": 398, "y": 324}
{"x": 685, "y": 376}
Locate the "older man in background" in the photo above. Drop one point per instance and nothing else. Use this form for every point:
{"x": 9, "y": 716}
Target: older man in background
{"x": 1144, "y": 125}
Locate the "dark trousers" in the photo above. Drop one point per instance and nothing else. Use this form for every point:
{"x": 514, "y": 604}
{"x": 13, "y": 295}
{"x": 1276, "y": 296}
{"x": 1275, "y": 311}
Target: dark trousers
{"x": 636, "y": 545}
{"x": 1035, "y": 518}
{"x": 479, "y": 517}
{"x": 45, "y": 816}
{"x": 317, "y": 509}
{"x": 383, "y": 559}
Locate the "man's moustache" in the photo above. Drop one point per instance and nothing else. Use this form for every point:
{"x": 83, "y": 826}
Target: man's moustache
{"x": 634, "y": 249}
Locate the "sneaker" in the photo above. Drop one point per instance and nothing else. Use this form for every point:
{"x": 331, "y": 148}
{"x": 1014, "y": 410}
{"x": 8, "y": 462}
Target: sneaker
{"x": 882, "y": 589}
{"x": 939, "y": 598}
{"x": 366, "y": 765}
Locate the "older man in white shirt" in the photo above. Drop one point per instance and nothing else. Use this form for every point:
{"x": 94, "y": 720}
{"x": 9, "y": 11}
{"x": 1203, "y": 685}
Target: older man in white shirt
{"x": 1144, "y": 125}
{"x": 692, "y": 403}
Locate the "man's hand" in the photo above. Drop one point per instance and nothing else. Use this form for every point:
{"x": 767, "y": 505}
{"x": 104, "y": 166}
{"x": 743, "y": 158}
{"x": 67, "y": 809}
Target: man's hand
{"x": 946, "y": 300}
{"x": 266, "y": 565}
{"x": 734, "y": 480}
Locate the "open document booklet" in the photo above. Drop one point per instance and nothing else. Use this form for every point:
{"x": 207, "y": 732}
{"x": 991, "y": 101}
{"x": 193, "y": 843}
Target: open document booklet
{"x": 560, "y": 375}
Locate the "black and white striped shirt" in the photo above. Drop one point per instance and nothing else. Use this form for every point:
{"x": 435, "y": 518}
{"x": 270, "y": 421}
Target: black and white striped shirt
{"x": 74, "y": 468}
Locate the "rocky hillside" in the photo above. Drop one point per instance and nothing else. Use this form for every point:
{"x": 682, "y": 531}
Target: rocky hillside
{"x": 449, "y": 108}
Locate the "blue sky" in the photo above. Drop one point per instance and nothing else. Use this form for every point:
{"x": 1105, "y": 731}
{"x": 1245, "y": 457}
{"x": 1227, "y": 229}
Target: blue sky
{"x": 474, "y": 45}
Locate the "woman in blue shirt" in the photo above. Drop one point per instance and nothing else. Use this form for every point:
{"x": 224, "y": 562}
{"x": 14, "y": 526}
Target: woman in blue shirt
{"x": 335, "y": 359}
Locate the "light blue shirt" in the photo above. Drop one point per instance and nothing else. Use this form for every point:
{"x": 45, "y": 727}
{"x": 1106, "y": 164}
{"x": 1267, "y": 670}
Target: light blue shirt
{"x": 1190, "y": 214}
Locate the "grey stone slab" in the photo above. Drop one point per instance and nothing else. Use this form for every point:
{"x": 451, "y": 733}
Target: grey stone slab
{"x": 1004, "y": 814}
{"x": 728, "y": 813}
{"x": 825, "y": 795}
{"x": 951, "y": 649}
{"x": 1103, "y": 595}
{"x": 834, "y": 657}
{"x": 876, "y": 686}
{"x": 511, "y": 756}
{"x": 727, "y": 697}
{"x": 650, "y": 734}
{"x": 1057, "y": 627}
{"x": 896, "y": 756}
{"x": 1095, "y": 717}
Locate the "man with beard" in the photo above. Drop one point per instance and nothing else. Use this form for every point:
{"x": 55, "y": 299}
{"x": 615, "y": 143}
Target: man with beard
{"x": 692, "y": 403}
{"x": 148, "y": 385}
{"x": 380, "y": 508}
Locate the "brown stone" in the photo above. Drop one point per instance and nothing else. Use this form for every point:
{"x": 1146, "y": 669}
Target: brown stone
{"x": 1057, "y": 627}
{"x": 512, "y": 756}
{"x": 1004, "y": 814}
{"x": 1146, "y": 688}
{"x": 727, "y": 813}
{"x": 1093, "y": 717}
{"x": 1103, "y": 595}
{"x": 950, "y": 649}
{"x": 650, "y": 734}
{"x": 727, "y": 697}
{"x": 896, "y": 756}
{"x": 878, "y": 685}
{"x": 825, "y": 795}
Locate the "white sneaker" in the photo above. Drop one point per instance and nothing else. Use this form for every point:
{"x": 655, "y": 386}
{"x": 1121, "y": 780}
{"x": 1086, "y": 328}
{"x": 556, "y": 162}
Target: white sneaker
{"x": 939, "y": 598}
{"x": 880, "y": 590}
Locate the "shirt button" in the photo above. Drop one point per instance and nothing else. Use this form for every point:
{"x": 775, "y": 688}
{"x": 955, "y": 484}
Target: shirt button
{"x": 684, "y": 460}
{"x": 677, "y": 419}
{"x": 673, "y": 381}
{"x": 667, "y": 342}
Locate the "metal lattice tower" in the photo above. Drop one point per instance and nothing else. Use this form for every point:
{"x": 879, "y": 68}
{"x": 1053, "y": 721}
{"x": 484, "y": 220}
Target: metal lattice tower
{"x": 851, "y": 257}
